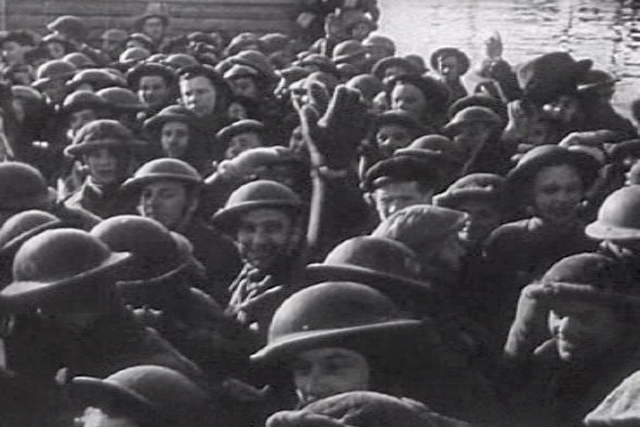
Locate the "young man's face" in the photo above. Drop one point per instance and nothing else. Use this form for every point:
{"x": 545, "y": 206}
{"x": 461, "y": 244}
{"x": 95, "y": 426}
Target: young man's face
{"x": 471, "y": 135}
{"x": 584, "y": 330}
{"x": 325, "y": 372}
{"x": 13, "y": 52}
{"x": 449, "y": 67}
{"x": 360, "y": 31}
{"x": 409, "y": 98}
{"x": 153, "y": 91}
{"x": 394, "y": 196}
{"x": 154, "y": 28}
{"x": 105, "y": 167}
{"x": 245, "y": 86}
{"x": 483, "y": 218}
{"x": 80, "y": 118}
{"x": 112, "y": 47}
{"x": 450, "y": 252}
{"x": 199, "y": 95}
{"x": 56, "y": 50}
{"x": 264, "y": 236}
{"x": 391, "y": 137}
{"x": 166, "y": 201}
{"x": 243, "y": 142}
{"x": 55, "y": 91}
{"x": 174, "y": 139}
{"x": 557, "y": 193}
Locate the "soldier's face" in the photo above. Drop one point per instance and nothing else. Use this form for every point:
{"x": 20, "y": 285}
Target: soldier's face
{"x": 557, "y": 193}
{"x": 409, "y": 98}
{"x": 392, "y": 137}
{"x": 94, "y": 417}
{"x": 394, "y": 196}
{"x": 484, "y": 217}
{"x": 153, "y": 90}
{"x": 104, "y": 166}
{"x": 243, "y": 142}
{"x": 154, "y": 28}
{"x": 174, "y": 139}
{"x": 264, "y": 236}
{"x": 199, "y": 95}
{"x": 166, "y": 202}
{"x": 584, "y": 330}
{"x": 325, "y": 372}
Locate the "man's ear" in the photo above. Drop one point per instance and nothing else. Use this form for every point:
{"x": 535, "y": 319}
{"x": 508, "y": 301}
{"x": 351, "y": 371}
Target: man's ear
{"x": 193, "y": 205}
{"x": 368, "y": 198}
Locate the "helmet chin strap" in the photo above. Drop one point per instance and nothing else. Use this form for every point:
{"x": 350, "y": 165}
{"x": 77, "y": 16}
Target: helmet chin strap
{"x": 187, "y": 215}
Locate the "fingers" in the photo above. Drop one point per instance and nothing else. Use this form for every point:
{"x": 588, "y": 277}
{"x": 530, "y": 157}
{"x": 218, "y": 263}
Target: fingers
{"x": 318, "y": 96}
{"x": 261, "y": 298}
{"x": 243, "y": 391}
{"x": 344, "y": 105}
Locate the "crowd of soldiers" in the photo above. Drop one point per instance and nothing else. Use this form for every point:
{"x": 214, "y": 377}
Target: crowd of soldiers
{"x": 312, "y": 230}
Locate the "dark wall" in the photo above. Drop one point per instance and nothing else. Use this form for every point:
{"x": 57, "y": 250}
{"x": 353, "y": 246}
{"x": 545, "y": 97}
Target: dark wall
{"x": 187, "y": 15}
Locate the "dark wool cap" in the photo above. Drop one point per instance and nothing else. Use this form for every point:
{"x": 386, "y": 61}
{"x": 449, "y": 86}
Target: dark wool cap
{"x": 400, "y": 168}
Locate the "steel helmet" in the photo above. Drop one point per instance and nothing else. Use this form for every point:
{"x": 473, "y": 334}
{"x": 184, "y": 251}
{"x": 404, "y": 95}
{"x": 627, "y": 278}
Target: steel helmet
{"x": 82, "y": 100}
{"x": 348, "y": 50}
{"x": 618, "y": 217}
{"x": 102, "y": 133}
{"x": 551, "y": 155}
{"x": 472, "y": 114}
{"x": 22, "y": 187}
{"x": 384, "y": 264}
{"x": 330, "y": 314}
{"x": 367, "y": 85}
{"x": 180, "y": 60}
{"x": 22, "y": 226}
{"x": 79, "y": 60}
{"x": 162, "y": 169}
{"x": 445, "y": 52}
{"x": 150, "y": 69}
{"x": 26, "y": 93}
{"x": 172, "y": 113}
{"x": 69, "y": 25}
{"x": 155, "y": 250}
{"x": 376, "y": 40}
{"x": 53, "y": 70}
{"x": 121, "y": 99}
{"x": 149, "y": 394}
{"x": 256, "y": 195}
{"x": 97, "y": 78}
{"x": 59, "y": 263}
{"x": 115, "y": 35}
{"x": 133, "y": 55}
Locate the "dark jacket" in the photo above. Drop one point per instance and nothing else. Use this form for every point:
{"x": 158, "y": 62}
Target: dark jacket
{"x": 103, "y": 202}
{"x": 193, "y": 323}
{"x": 39, "y": 348}
{"x": 543, "y": 391}
{"x": 217, "y": 254}
{"x": 522, "y": 251}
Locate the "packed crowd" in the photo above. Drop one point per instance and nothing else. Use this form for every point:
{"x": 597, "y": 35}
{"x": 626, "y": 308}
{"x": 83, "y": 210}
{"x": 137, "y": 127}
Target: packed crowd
{"x": 310, "y": 230}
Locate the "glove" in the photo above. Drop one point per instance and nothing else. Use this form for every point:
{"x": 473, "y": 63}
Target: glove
{"x": 529, "y": 329}
{"x": 334, "y": 136}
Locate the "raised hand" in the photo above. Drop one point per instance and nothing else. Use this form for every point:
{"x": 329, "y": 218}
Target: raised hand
{"x": 493, "y": 46}
{"x": 334, "y": 136}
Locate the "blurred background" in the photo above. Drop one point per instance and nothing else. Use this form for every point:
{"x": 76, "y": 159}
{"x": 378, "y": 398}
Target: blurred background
{"x": 607, "y": 31}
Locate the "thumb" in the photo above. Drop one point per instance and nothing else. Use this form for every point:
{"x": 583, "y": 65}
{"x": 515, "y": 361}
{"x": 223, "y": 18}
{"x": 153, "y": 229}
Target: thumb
{"x": 318, "y": 96}
{"x": 309, "y": 117}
